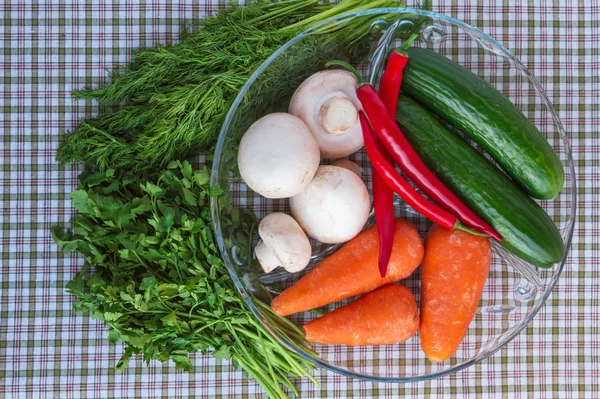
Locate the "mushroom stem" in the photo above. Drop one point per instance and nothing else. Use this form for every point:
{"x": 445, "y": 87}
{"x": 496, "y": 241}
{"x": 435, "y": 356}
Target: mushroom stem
{"x": 267, "y": 259}
{"x": 337, "y": 115}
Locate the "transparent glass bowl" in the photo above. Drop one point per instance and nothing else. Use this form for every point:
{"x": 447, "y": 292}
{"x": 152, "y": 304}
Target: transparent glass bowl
{"x": 515, "y": 290}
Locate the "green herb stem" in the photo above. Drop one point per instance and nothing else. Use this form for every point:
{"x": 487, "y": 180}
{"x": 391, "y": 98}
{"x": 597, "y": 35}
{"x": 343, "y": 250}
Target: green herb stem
{"x": 295, "y": 5}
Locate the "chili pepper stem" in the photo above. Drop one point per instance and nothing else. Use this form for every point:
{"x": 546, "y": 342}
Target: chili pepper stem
{"x": 402, "y": 50}
{"x": 346, "y": 66}
{"x": 459, "y": 226}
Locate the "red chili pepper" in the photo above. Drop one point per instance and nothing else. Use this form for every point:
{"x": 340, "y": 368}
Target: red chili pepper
{"x": 389, "y": 87}
{"x": 405, "y": 156}
{"x": 392, "y": 178}
{"x": 383, "y": 202}
{"x": 383, "y": 196}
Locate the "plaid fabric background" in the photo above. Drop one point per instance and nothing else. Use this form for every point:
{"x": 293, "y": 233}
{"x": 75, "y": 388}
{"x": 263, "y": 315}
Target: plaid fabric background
{"x": 47, "y": 50}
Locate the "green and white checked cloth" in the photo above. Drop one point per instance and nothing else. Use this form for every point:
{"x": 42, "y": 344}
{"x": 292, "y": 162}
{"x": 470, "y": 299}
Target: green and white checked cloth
{"x": 49, "y": 48}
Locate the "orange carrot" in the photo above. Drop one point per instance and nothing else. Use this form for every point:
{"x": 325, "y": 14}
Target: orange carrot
{"x": 453, "y": 274}
{"x": 353, "y": 270}
{"x": 387, "y": 315}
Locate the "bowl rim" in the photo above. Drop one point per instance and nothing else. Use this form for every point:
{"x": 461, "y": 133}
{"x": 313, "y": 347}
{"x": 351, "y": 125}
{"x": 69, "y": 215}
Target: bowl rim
{"x": 228, "y": 261}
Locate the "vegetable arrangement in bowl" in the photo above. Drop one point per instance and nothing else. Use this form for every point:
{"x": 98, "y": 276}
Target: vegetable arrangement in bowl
{"x": 332, "y": 114}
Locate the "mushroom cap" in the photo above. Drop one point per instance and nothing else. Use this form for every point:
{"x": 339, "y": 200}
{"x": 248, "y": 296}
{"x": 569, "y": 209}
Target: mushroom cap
{"x": 284, "y": 237}
{"x": 313, "y": 103}
{"x": 334, "y": 207}
{"x": 278, "y": 156}
{"x": 348, "y": 164}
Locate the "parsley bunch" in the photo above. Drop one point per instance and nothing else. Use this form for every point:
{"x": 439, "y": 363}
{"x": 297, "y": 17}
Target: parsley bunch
{"x": 160, "y": 285}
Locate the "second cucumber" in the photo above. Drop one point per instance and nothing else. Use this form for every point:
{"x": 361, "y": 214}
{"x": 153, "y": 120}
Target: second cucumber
{"x": 479, "y": 110}
{"x": 526, "y": 230}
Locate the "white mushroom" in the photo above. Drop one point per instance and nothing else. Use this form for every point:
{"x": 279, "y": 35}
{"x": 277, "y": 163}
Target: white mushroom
{"x": 334, "y": 207}
{"x": 278, "y": 156}
{"x": 327, "y": 103}
{"x": 348, "y": 164}
{"x": 283, "y": 244}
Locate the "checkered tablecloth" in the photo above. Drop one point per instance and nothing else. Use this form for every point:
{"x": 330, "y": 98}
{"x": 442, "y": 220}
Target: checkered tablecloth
{"x": 49, "y": 48}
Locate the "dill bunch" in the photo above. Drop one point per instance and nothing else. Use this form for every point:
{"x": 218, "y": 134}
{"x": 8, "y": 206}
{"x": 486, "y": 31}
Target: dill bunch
{"x": 177, "y": 96}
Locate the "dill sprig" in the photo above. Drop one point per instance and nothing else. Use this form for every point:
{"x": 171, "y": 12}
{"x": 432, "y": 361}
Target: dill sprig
{"x": 176, "y": 96}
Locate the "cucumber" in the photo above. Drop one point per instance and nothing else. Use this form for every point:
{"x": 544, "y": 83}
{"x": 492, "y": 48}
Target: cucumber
{"x": 526, "y": 230}
{"x": 475, "y": 107}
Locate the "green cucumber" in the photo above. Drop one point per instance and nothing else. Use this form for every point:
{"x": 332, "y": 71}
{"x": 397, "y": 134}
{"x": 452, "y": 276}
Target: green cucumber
{"x": 526, "y": 230}
{"x": 476, "y": 108}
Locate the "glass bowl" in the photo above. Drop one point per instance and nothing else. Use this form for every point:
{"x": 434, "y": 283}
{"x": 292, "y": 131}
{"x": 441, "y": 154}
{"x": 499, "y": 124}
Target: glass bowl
{"x": 515, "y": 290}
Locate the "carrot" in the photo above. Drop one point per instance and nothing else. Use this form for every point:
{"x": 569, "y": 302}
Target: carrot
{"x": 353, "y": 270}
{"x": 453, "y": 274}
{"x": 387, "y": 315}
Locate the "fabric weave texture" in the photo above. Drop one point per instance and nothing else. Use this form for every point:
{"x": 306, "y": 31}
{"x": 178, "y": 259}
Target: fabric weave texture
{"x": 49, "y": 48}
